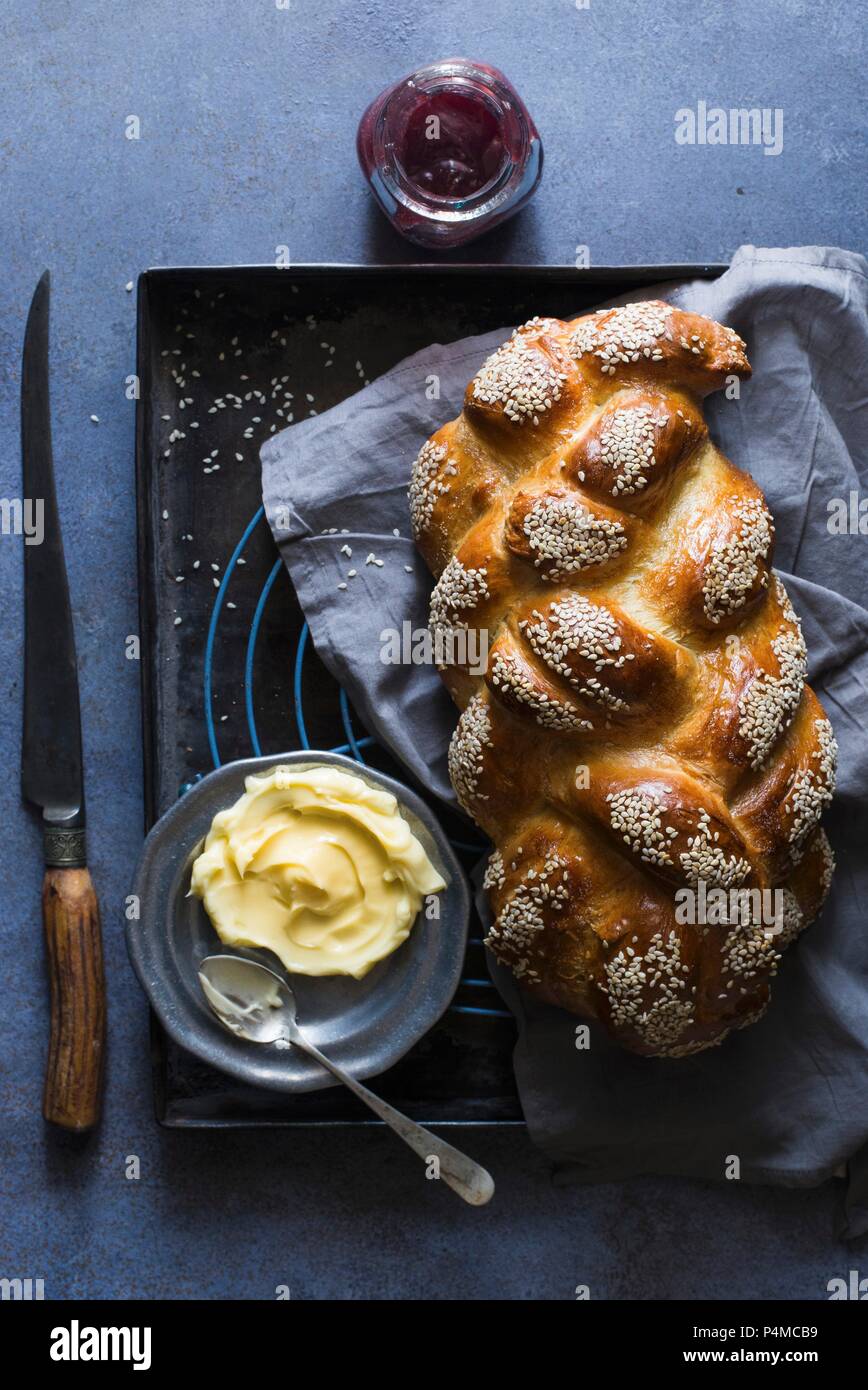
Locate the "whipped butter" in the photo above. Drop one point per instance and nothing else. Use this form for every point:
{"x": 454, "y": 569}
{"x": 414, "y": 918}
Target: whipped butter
{"x": 316, "y": 865}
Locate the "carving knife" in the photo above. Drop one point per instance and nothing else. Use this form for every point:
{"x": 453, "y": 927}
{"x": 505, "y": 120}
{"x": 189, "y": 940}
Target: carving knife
{"x": 51, "y": 765}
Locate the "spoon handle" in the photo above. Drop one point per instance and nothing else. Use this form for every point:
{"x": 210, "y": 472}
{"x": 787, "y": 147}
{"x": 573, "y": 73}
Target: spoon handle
{"x": 469, "y": 1179}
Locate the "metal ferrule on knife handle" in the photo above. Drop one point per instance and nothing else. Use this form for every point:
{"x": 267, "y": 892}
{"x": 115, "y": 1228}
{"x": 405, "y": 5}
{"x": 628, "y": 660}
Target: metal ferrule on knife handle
{"x": 63, "y": 847}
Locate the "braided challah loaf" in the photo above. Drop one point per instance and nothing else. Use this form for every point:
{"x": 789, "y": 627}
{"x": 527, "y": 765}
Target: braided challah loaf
{"x": 643, "y": 726}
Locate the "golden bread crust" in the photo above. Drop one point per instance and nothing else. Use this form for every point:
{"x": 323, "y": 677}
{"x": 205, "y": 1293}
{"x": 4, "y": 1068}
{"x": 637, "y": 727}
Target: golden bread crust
{"x": 642, "y": 730}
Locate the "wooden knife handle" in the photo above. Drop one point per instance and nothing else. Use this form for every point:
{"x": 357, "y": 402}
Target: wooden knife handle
{"x": 73, "y": 1078}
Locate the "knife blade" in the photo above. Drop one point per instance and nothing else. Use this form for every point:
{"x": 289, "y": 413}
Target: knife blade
{"x": 51, "y": 762}
{"x": 51, "y": 771}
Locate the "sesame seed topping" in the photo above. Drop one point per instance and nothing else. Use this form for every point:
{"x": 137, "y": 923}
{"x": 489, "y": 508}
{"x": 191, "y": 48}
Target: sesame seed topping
{"x": 426, "y": 485}
{"x": 621, "y": 336}
{"x": 628, "y": 981}
{"x": 495, "y": 874}
{"x": 548, "y": 711}
{"x": 575, "y": 625}
{"x": 638, "y": 818}
{"x": 793, "y": 920}
{"x": 467, "y": 751}
{"x": 627, "y": 444}
{"x": 706, "y": 862}
{"x": 749, "y": 950}
{"x": 566, "y": 537}
{"x": 812, "y": 790}
{"x": 521, "y": 379}
{"x": 457, "y": 591}
{"x": 769, "y": 703}
{"x": 733, "y": 568}
{"x": 517, "y": 929}
{"x": 828, "y": 868}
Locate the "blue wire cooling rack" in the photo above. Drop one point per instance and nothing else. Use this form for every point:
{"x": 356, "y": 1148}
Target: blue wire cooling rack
{"x": 352, "y": 746}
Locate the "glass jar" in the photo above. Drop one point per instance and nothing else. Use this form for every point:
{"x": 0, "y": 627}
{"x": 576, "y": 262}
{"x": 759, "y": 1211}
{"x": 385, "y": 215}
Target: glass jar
{"x": 450, "y": 152}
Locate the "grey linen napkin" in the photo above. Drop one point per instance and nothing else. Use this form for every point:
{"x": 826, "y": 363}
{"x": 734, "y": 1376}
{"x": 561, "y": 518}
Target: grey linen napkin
{"x": 787, "y": 1098}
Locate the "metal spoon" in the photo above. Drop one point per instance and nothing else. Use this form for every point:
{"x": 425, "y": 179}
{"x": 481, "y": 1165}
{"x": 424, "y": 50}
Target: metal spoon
{"x": 255, "y": 1003}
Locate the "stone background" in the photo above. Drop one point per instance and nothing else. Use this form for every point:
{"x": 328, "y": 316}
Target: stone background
{"x": 248, "y": 116}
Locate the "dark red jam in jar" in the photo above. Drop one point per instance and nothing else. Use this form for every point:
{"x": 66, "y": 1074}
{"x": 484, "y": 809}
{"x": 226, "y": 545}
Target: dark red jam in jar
{"x": 450, "y": 152}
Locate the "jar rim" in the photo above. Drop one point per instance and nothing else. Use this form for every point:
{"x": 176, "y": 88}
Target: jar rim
{"x": 488, "y": 86}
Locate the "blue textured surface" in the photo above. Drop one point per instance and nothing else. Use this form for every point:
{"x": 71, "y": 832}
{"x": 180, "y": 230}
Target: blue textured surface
{"x": 247, "y": 122}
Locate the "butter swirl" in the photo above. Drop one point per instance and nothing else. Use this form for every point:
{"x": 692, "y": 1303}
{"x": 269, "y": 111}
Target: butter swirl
{"x": 316, "y": 865}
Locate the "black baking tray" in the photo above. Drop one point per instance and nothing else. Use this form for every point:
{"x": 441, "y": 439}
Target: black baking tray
{"x": 318, "y": 331}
